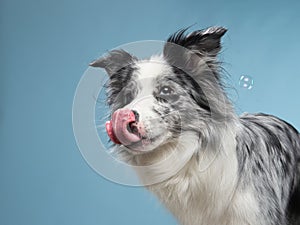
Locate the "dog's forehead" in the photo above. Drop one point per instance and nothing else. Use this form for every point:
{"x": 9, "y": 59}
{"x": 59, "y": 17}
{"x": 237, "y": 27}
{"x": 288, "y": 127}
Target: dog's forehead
{"x": 152, "y": 68}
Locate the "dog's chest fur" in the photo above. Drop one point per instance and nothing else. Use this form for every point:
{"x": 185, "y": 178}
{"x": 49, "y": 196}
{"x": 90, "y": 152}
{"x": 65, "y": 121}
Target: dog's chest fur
{"x": 205, "y": 191}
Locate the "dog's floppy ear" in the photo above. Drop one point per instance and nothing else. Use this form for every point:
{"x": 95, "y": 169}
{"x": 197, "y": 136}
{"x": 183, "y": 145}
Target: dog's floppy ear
{"x": 114, "y": 61}
{"x": 201, "y": 42}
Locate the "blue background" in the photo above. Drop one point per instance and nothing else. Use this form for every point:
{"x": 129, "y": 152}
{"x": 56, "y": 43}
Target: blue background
{"x": 45, "y": 46}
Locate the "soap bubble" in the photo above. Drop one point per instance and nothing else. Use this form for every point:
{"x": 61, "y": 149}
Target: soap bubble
{"x": 246, "y": 82}
{"x": 90, "y": 111}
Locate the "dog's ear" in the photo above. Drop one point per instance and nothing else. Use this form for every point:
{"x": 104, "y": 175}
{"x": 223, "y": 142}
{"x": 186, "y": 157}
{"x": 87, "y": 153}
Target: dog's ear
{"x": 201, "y": 42}
{"x": 197, "y": 49}
{"x": 114, "y": 61}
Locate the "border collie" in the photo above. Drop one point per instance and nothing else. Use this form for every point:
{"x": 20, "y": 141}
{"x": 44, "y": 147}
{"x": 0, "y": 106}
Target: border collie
{"x": 208, "y": 166}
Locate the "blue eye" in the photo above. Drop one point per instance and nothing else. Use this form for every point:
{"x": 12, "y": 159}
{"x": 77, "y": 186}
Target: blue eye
{"x": 165, "y": 90}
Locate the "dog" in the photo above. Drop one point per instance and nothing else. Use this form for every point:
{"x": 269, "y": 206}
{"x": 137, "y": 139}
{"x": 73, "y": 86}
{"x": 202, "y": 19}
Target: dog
{"x": 171, "y": 116}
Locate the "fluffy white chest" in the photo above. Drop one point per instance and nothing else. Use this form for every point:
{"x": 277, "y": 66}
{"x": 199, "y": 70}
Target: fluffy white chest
{"x": 205, "y": 191}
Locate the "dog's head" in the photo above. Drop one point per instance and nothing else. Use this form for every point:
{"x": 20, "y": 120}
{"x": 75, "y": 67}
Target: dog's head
{"x": 155, "y": 101}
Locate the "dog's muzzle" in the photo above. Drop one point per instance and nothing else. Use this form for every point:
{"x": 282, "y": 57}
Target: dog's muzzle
{"x": 124, "y": 127}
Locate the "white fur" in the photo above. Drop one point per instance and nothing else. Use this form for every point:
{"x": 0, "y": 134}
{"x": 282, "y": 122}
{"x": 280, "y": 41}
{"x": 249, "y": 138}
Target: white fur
{"x": 152, "y": 68}
{"x": 203, "y": 192}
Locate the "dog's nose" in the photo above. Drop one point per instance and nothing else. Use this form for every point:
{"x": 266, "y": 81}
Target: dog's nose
{"x": 136, "y": 115}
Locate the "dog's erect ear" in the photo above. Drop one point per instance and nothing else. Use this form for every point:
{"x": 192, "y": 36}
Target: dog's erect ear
{"x": 191, "y": 51}
{"x": 114, "y": 61}
{"x": 202, "y": 42}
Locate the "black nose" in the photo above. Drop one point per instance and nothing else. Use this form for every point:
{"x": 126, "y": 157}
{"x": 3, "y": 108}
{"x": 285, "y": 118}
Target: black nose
{"x": 136, "y": 115}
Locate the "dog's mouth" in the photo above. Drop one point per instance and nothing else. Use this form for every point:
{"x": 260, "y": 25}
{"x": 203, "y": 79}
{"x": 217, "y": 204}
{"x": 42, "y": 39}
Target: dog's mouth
{"x": 143, "y": 144}
{"x": 124, "y": 128}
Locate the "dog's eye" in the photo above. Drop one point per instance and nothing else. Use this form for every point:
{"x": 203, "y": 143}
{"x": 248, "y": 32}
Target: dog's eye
{"x": 165, "y": 90}
{"x": 166, "y": 94}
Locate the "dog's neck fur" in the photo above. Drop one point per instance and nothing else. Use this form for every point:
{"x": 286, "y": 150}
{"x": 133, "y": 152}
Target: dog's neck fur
{"x": 203, "y": 190}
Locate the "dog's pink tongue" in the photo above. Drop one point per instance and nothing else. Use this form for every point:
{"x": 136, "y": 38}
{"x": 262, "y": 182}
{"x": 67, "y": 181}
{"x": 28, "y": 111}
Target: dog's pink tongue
{"x": 110, "y": 132}
{"x": 117, "y": 128}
